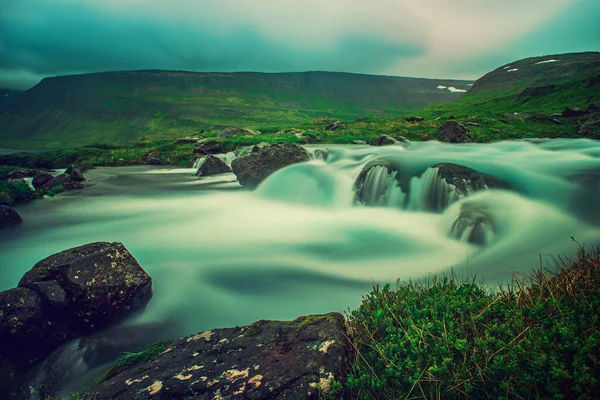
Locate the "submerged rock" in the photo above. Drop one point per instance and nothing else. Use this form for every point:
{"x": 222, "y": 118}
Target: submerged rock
{"x": 255, "y": 167}
{"x": 468, "y": 180}
{"x": 266, "y": 360}
{"x": 212, "y": 166}
{"x": 474, "y": 225}
{"x": 9, "y": 217}
{"x": 453, "y": 132}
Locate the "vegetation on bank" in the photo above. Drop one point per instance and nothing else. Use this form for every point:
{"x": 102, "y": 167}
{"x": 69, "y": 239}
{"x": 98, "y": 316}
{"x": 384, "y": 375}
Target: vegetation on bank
{"x": 537, "y": 338}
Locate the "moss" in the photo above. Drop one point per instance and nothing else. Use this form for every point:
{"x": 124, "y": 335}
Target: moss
{"x": 312, "y": 320}
{"x": 253, "y": 329}
{"x": 129, "y": 360}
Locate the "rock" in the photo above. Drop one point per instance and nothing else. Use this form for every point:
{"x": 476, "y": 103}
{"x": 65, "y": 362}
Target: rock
{"x": 205, "y": 147}
{"x": 359, "y": 142}
{"x": 334, "y": 126}
{"x": 9, "y": 217}
{"x": 260, "y": 146}
{"x": 75, "y": 173}
{"x": 570, "y": 112}
{"x": 151, "y": 159}
{"x": 65, "y": 180}
{"x": 212, "y": 166}
{"x": 90, "y": 287}
{"x": 383, "y": 140}
{"x": 230, "y": 132}
{"x": 467, "y": 180}
{"x": 255, "y": 167}
{"x": 453, "y": 132}
{"x": 40, "y": 179}
{"x": 474, "y": 224}
{"x": 414, "y": 119}
{"x": 537, "y": 91}
{"x": 266, "y": 360}
{"x": 21, "y": 173}
{"x": 591, "y": 128}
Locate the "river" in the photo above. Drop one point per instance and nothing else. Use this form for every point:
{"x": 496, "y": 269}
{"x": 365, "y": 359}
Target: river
{"x": 220, "y": 255}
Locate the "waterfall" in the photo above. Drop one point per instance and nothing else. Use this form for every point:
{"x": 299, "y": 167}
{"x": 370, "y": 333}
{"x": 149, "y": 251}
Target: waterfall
{"x": 430, "y": 192}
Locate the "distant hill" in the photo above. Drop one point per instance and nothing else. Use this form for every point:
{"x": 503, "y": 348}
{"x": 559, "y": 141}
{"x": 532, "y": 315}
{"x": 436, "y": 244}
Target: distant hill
{"x": 545, "y": 84}
{"x": 119, "y": 107}
{"x": 8, "y": 97}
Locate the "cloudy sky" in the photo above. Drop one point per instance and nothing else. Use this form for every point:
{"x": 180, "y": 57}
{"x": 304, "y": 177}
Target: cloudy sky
{"x": 425, "y": 38}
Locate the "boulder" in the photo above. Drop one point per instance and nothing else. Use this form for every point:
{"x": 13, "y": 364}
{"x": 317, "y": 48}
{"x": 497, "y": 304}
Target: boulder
{"x": 414, "y": 119}
{"x": 468, "y": 180}
{"x": 570, "y": 112}
{"x": 9, "y": 217}
{"x": 260, "y": 146}
{"x": 297, "y": 359}
{"x": 151, "y": 159}
{"x": 65, "y": 180}
{"x": 40, "y": 179}
{"x": 383, "y": 140}
{"x": 205, "y": 147}
{"x": 75, "y": 173}
{"x": 453, "y": 132}
{"x": 591, "y": 128}
{"x": 67, "y": 295}
{"x": 21, "y": 173}
{"x": 212, "y": 166}
{"x": 90, "y": 287}
{"x": 231, "y": 131}
{"x": 474, "y": 224}
{"x": 255, "y": 167}
{"x": 334, "y": 126}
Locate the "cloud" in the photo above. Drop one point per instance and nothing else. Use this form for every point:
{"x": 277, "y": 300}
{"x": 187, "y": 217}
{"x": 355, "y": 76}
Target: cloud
{"x": 433, "y": 38}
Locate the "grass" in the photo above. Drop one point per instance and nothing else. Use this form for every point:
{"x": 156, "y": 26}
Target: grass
{"x": 130, "y": 359}
{"x": 537, "y": 338}
{"x": 16, "y": 192}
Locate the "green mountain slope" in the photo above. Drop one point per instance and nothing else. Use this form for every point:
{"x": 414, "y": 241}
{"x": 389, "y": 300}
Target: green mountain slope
{"x": 120, "y": 107}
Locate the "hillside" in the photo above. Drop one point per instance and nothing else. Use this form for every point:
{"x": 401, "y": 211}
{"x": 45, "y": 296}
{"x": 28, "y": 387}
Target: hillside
{"x": 8, "y": 97}
{"x": 120, "y": 107}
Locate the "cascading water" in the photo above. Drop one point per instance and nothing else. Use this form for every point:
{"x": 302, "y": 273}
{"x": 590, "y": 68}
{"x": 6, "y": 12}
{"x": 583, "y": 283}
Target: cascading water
{"x": 314, "y": 237}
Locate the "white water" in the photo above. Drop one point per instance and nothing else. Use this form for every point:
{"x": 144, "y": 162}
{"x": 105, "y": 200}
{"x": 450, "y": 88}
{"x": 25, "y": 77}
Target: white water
{"x": 301, "y": 243}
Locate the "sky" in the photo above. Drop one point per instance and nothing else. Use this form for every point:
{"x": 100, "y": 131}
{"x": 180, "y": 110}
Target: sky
{"x": 461, "y": 39}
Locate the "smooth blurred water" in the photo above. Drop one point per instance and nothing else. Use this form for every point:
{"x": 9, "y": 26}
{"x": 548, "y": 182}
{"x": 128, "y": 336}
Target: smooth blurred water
{"x": 223, "y": 256}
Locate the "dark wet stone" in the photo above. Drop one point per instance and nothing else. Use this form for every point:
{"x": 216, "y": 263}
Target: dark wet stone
{"x": 383, "y": 140}
{"x": 453, "y": 132}
{"x": 9, "y": 217}
{"x": 75, "y": 173}
{"x": 205, "y": 147}
{"x": 40, "y": 179}
{"x": 65, "y": 180}
{"x": 266, "y": 360}
{"x": 212, "y": 166}
{"x": 102, "y": 283}
{"x": 257, "y": 166}
{"x": 467, "y": 180}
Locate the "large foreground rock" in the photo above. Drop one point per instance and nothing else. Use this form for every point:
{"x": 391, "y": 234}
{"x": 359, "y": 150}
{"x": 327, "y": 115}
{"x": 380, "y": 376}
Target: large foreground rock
{"x": 266, "y": 360}
{"x": 67, "y": 295}
{"x": 453, "y": 132}
{"x": 255, "y": 167}
{"x": 9, "y": 217}
{"x": 212, "y": 166}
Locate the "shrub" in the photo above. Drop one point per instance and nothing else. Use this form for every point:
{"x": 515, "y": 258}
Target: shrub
{"x": 16, "y": 192}
{"x": 447, "y": 339}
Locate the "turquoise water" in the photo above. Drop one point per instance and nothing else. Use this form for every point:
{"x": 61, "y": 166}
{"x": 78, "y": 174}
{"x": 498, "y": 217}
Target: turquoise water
{"x": 222, "y": 256}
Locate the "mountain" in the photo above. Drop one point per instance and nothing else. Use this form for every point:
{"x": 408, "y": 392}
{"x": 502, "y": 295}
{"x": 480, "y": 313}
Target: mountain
{"x": 8, "y": 97}
{"x": 120, "y": 107}
{"x": 546, "y": 84}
